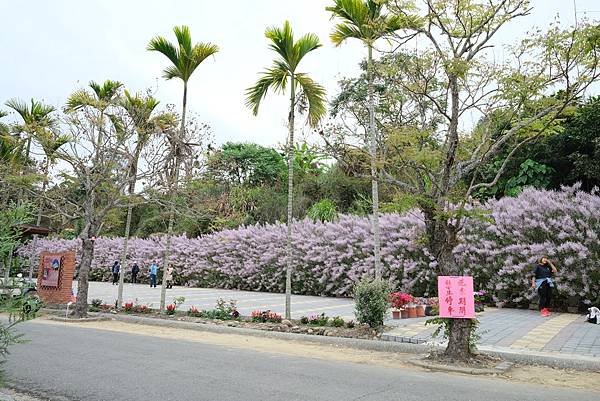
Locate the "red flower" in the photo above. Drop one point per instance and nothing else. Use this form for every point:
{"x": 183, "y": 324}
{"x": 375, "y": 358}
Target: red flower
{"x": 399, "y": 299}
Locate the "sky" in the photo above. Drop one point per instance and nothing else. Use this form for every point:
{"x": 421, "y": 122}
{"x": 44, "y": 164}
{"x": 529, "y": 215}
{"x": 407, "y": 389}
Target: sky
{"x": 51, "y": 48}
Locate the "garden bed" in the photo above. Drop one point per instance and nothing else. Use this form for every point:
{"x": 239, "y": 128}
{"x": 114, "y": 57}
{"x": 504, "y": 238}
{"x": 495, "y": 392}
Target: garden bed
{"x": 285, "y": 326}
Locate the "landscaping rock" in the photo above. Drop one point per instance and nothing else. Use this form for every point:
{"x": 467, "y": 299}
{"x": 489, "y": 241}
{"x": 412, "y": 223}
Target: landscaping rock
{"x": 287, "y": 323}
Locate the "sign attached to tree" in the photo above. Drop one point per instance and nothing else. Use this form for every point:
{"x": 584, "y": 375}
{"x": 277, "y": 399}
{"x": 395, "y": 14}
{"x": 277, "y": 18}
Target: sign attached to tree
{"x": 456, "y": 297}
{"x": 55, "y": 276}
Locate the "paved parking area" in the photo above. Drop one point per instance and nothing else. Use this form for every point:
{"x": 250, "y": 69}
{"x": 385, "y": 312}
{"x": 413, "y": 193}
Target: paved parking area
{"x": 515, "y": 329}
{"x": 247, "y": 301}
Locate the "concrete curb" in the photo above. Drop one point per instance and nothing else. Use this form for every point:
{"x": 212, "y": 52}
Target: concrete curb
{"x": 570, "y": 361}
{"x": 84, "y": 320}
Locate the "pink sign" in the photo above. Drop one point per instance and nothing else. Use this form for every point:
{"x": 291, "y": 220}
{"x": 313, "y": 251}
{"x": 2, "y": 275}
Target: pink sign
{"x": 456, "y": 298}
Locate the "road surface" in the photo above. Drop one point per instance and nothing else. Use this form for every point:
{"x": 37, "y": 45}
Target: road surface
{"x": 78, "y": 363}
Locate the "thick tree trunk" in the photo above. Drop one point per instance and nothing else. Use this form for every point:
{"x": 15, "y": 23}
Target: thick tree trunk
{"x": 290, "y": 209}
{"x": 87, "y": 254}
{"x": 174, "y": 183}
{"x": 374, "y": 182}
{"x": 458, "y": 340}
{"x": 442, "y": 239}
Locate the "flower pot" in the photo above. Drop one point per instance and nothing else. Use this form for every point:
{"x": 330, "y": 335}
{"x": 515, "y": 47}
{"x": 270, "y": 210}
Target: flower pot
{"x": 412, "y": 312}
{"x": 420, "y": 310}
{"x": 403, "y": 314}
{"x": 396, "y": 314}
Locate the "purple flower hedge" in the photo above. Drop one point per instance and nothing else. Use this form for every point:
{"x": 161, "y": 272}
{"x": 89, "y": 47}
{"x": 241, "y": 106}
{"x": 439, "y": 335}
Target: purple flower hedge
{"x": 329, "y": 258}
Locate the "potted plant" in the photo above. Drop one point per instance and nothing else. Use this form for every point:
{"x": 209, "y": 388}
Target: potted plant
{"x": 398, "y": 301}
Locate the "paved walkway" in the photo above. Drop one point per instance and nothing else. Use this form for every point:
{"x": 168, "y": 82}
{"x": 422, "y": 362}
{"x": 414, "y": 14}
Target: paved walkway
{"x": 514, "y": 329}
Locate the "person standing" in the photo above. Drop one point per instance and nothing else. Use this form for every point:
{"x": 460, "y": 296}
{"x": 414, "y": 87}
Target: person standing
{"x": 169, "y": 277}
{"x": 116, "y": 268}
{"x": 153, "y": 273}
{"x": 542, "y": 282}
{"x": 135, "y": 269}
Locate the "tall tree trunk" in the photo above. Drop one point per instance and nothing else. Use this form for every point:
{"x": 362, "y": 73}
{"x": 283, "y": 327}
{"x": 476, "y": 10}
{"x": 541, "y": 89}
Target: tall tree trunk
{"x": 44, "y": 184}
{"x": 374, "y": 178}
{"x": 124, "y": 253}
{"x": 290, "y": 205}
{"x": 39, "y": 214}
{"x": 130, "y": 191}
{"x": 87, "y": 254}
{"x": 173, "y": 189}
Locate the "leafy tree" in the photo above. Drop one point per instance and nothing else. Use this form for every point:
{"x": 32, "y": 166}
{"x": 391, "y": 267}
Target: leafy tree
{"x": 290, "y": 54}
{"x": 246, "y": 164}
{"x": 450, "y": 77}
{"x": 97, "y": 179}
{"x": 367, "y": 22}
{"x": 185, "y": 58}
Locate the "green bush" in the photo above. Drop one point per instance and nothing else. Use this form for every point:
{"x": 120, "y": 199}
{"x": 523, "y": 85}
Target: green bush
{"x": 337, "y": 322}
{"x": 372, "y": 304}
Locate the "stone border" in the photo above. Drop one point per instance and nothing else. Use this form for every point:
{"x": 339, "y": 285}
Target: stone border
{"x": 569, "y": 361}
{"x": 499, "y": 369}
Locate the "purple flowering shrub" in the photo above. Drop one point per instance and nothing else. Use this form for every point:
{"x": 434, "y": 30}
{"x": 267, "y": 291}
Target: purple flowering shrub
{"x": 562, "y": 225}
{"x": 329, "y": 258}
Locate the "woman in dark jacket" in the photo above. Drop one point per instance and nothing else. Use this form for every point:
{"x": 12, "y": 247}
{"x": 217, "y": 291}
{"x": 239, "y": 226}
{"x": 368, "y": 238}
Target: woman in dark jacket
{"x": 541, "y": 280}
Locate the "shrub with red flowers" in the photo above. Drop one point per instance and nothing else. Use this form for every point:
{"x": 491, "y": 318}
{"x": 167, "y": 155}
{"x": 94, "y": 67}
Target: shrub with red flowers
{"x": 194, "y": 312}
{"x": 142, "y": 309}
{"x": 399, "y": 299}
{"x": 266, "y": 316}
{"x": 171, "y": 308}
{"x": 128, "y": 307}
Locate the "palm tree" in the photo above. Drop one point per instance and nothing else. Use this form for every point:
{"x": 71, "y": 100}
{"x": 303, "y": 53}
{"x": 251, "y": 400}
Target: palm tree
{"x": 139, "y": 110}
{"x": 100, "y": 98}
{"x": 50, "y": 143}
{"x": 185, "y": 58}
{"x": 365, "y": 21}
{"x": 36, "y": 117}
{"x": 11, "y": 149}
{"x": 277, "y": 78}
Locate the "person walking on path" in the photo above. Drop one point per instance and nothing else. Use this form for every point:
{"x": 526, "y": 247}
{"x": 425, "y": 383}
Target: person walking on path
{"x": 116, "y": 268}
{"x": 135, "y": 269}
{"x": 169, "y": 277}
{"x": 542, "y": 282}
{"x": 153, "y": 273}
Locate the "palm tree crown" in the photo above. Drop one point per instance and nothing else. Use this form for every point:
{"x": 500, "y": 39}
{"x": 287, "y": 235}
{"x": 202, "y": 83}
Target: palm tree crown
{"x": 284, "y": 68}
{"x": 100, "y": 98}
{"x": 361, "y": 20}
{"x": 185, "y": 57}
{"x": 36, "y": 117}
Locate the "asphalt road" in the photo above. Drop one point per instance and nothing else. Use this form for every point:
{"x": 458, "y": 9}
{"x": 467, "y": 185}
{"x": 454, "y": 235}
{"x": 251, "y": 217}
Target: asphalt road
{"x": 88, "y": 364}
